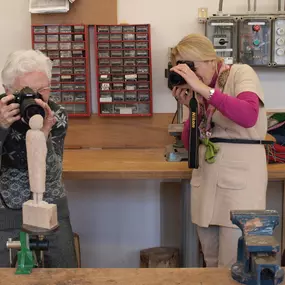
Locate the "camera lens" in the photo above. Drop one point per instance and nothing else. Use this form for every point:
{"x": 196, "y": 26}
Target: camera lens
{"x": 29, "y": 108}
{"x": 175, "y": 79}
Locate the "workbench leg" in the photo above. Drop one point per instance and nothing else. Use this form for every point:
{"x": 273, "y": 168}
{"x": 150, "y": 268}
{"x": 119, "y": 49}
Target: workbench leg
{"x": 190, "y": 244}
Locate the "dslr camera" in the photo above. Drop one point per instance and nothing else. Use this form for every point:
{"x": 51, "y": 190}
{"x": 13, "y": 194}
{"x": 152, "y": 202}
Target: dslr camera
{"x": 28, "y": 106}
{"x": 174, "y": 79}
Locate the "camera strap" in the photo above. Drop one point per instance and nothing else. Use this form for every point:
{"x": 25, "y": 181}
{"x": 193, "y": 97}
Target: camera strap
{"x": 193, "y": 161}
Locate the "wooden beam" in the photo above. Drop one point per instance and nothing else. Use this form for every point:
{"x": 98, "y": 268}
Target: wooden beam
{"x": 182, "y": 276}
{"x": 133, "y": 164}
{"x": 117, "y": 133}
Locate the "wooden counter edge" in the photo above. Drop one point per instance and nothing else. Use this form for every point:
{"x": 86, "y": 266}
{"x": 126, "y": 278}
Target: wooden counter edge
{"x": 133, "y": 174}
{"x": 275, "y": 171}
{"x": 120, "y": 276}
{"x": 185, "y": 174}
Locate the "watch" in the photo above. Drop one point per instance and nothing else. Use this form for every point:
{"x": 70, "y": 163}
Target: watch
{"x": 211, "y": 93}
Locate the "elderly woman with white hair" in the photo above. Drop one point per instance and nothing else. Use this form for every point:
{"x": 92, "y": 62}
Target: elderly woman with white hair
{"x": 30, "y": 68}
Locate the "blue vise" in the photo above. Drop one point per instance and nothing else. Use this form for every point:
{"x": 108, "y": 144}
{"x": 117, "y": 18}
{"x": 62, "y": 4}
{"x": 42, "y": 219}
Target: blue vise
{"x": 257, "y": 248}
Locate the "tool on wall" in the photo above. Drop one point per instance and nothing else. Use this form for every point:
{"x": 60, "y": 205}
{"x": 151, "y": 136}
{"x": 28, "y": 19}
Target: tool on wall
{"x": 257, "y": 248}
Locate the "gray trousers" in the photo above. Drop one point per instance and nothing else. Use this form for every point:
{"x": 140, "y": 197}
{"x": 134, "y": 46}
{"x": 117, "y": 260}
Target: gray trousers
{"x": 61, "y": 252}
{"x": 219, "y": 245}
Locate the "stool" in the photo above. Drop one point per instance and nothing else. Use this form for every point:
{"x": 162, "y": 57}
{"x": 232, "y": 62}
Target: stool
{"x": 159, "y": 257}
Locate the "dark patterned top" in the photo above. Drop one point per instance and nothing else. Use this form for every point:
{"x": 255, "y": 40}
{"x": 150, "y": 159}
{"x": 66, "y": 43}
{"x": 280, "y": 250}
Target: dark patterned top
{"x": 14, "y": 180}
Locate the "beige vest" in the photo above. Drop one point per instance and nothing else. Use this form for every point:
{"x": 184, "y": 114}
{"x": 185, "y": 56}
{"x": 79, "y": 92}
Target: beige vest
{"x": 238, "y": 178}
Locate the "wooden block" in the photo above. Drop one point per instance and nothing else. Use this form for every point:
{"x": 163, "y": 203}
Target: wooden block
{"x": 159, "y": 257}
{"x": 42, "y": 215}
{"x": 175, "y": 129}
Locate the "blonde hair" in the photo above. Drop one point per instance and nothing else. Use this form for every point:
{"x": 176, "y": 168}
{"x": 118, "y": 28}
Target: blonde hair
{"x": 195, "y": 47}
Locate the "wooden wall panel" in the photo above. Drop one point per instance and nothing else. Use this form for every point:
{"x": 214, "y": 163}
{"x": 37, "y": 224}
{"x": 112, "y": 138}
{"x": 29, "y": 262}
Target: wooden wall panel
{"x": 88, "y": 12}
{"x": 97, "y": 132}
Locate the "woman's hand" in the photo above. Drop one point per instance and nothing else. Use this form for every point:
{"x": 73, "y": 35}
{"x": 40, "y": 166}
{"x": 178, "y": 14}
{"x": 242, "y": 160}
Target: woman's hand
{"x": 49, "y": 120}
{"x": 191, "y": 78}
{"x": 9, "y": 113}
{"x": 182, "y": 95}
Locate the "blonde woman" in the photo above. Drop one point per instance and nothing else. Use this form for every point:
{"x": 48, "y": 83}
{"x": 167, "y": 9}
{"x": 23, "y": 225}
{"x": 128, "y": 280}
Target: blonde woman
{"x": 232, "y": 173}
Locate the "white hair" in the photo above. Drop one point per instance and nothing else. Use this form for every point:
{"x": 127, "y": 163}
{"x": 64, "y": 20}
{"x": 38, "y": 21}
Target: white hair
{"x": 21, "y": 62}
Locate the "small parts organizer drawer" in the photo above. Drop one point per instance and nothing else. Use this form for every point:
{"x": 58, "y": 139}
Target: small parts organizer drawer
{"x": 124, "y": 75}
{"x": 67, "y": 47}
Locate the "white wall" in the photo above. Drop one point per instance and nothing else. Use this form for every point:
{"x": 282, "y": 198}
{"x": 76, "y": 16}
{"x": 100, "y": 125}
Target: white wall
{"x": 115, "y": 219}
{"x": 170, "y": 22}
{"x": 15, "y": 28}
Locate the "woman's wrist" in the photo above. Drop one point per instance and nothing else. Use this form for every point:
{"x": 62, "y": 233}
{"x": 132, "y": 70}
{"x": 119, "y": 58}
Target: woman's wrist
{"x": 205, "y": 91}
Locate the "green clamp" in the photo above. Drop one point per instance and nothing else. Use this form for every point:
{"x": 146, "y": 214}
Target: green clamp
{"x": 25, "y": 256}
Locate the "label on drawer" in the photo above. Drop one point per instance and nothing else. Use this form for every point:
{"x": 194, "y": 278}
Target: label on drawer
{"x": 126, "y": 111}
{"x": 105, "y": 99}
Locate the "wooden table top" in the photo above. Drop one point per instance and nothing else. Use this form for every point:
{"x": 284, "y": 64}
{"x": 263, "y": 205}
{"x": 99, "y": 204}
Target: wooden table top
{"x": 140, "y": 276}
{"x": 132, "y": 164}
{"x": 122, "y": 164}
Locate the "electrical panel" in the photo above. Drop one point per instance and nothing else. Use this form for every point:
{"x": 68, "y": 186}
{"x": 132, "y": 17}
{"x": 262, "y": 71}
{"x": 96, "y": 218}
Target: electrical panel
{"x": 255, "y": 41}
{"x": 278, "y": 41}
{"x": 222, "y": 31}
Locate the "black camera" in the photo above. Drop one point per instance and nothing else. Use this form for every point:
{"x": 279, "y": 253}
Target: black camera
{"x": 174, "y": 79}
{"x": 28, "y": 106}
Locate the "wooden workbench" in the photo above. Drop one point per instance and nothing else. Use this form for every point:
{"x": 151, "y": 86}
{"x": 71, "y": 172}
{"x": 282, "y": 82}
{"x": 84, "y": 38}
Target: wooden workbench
{"x": 194, "y": 276}
{"x": 124, "y": 148}
{"x": 133, "y": 164}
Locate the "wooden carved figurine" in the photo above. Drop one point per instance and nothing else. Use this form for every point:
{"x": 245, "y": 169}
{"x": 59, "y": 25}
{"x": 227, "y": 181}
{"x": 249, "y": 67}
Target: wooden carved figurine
{"x": 36, "y": 212}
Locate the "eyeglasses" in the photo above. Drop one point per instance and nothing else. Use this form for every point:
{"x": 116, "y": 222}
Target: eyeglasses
{"x": 44, "y": 90}
{"x": 41, "y": 90}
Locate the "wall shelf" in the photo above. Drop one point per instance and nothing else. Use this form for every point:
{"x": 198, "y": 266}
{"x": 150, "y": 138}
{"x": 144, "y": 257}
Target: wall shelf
{"x": 67, "y": 47}
{"x": 123, "y": 70}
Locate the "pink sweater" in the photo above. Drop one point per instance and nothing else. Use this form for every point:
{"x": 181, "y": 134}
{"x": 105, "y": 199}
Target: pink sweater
{"x": 243, "y": 110}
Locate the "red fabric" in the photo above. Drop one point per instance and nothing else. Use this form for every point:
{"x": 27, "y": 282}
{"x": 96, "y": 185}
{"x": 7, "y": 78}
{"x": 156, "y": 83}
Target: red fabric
{"x": 276, "y": 153}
